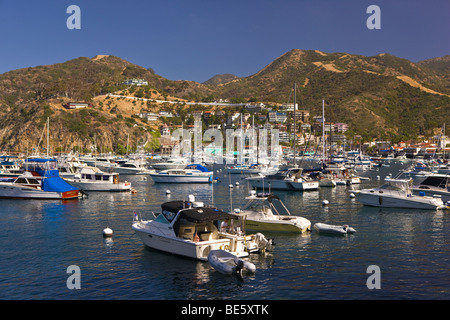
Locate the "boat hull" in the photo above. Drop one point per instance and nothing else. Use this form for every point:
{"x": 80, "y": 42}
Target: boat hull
{"x": 445, "y": 195}
{"x": 181, "y": 179}
{"x": 95, "y": 186}
{"x": 387, "y": 201}
{"x": 266, "y": 225}
{"x": 21, "y": 192}
{"x": 196, "y": 250}
{"x": 283, "y": 185}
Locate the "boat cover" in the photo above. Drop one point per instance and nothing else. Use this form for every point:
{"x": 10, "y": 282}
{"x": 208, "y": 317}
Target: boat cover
{"x": 198, "y": 167}
{"x": 193, "y": 214}
{"x": 56, "y": 184}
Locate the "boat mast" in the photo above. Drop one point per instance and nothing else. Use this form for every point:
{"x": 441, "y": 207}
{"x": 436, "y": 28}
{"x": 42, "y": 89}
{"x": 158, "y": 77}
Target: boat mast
{"x": 323, "y": 133}
{"x": 295, "y": 128}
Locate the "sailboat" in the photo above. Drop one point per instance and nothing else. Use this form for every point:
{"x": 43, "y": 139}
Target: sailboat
{"x": 40, "y": 180}
{"x": 291, "y": 179}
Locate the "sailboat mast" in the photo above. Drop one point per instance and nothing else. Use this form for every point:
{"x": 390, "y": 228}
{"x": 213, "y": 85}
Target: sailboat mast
{"x": 323, "y": 132}
{"x": 295, "y": 118}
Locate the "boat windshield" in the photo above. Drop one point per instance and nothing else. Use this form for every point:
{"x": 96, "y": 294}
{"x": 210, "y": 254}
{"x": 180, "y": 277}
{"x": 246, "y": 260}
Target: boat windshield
{"x": 161, "y": 219}
{"x": 439, "y": 182}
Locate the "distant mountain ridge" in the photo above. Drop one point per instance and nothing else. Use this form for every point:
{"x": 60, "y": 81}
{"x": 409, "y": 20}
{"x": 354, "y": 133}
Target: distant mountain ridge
{"x": 220, "y": 79}
{"x": 380, "y": 96}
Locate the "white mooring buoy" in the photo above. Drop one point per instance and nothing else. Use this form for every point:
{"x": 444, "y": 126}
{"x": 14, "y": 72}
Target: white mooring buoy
{"x": 325, "y": 202}
{"x": 107, "y": 232}
{"x": 168, "y": 192}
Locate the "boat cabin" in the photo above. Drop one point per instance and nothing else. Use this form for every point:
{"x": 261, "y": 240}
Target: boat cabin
{"x": 192, "y": 221}
{"x": 95, "y": 174}
{"x": 440, "y": 181}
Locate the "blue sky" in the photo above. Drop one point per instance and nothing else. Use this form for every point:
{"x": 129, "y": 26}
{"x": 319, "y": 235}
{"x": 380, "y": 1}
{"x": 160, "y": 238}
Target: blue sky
{"x": 196, "y": 39}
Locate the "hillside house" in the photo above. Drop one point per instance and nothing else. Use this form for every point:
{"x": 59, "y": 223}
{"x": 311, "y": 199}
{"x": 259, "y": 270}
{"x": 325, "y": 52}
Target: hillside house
{"x": 136, "y": 82}
{"x": 76, "y": 105}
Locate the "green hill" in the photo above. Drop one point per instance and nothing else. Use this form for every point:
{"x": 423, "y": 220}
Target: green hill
{"x": 381, "y": 96}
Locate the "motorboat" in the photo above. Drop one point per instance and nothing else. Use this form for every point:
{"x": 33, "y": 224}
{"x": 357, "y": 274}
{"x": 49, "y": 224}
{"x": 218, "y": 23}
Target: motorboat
{"x": 436, "y": 184}
{"x": 94, "y": 179}
{"x": 9, "y": 168}
{"x": 342, "y": 175}
{"x": 175, "y": 163}
{"x": 104, "y": 163}
{"x": 287, "y": 179}
{"x": 247, "y": 169}
{"x": 227, "y": 263}
{"x": 132, "y": 166}
{"x": 191, "y": 229}
{"x": 325, "y": 178}
{"x": 397, "y": 193}
{"x": 262, "y": 215}
{"x": 192, "y": 174}
{"x": 30, "y": 186}
{"x": 333, "y": 229}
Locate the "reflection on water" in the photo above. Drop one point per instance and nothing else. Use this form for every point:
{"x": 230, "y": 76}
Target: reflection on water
{"x": 40, "y": 239}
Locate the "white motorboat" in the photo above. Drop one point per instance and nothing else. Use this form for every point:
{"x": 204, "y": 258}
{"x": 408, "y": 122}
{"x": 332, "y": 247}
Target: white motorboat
{"x": 29, "y": 186}
{"x": 332, "y": 229}
{"x": 104, "y": 163}
{"x": 227, "y": 263}
{"x": 261, "y": 215}
{"x": 10, "y": 169}
{"x": 287, "y": 179}
{"x": 176, "y": 163}
{"x": 94, "y": 179}
{"x": 190, "y": 229}
{"x": 133, "y": 166}
{"x": 436, "y": 184}
{"x": 397, "y": 193}
{"x": 342, "y": 175}
{"x": 199, "y": 175}
{"x": 247, "y": 169}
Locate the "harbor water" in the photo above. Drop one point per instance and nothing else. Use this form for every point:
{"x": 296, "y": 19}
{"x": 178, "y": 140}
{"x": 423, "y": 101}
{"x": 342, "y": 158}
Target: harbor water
{"x": 40, "y": 240}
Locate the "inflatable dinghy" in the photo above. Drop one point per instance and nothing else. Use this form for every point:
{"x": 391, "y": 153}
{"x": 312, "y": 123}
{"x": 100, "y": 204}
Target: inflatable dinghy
{"x": 227, "y": 263}
{"x": 332, "y": 229}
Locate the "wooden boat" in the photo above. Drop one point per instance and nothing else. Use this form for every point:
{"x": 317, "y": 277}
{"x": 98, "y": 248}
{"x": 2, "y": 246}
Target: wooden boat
{"x": 227, "y": 263}
{"x": 332, "y": 229}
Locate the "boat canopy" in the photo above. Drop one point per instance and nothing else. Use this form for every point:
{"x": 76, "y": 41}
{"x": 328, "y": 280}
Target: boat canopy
{"x": 56, "y": 184}
{"x": 195, "y": 214}
{"x": 198, "y": 167}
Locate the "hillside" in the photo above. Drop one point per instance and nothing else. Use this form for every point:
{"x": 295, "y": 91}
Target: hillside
{"x": 378, "y": 96}
{"x": 220, "y": 79}
{"x": 381, "y": 96}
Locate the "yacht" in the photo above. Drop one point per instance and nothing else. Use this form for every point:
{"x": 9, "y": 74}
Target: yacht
{"x": 397, "y": 193}
{"x": 436, "y": 184}
{"x": 178, "y": 163}
{"x": 192, "y": 174}
{"x": 132, "y": 166}
{"x": 30, "y": 186}
{"x": 93, "y": 179}
{"x": 286, "y": 179}
{"x": 261, "y": 215}
{"x": 191, "y": 229}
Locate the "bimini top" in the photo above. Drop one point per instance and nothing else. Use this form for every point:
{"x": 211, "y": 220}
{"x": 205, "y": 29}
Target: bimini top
{"x": 195, "y": 214}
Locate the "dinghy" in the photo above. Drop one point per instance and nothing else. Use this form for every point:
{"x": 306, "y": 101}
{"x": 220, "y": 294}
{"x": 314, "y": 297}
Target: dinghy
{"x": 227, "y": 263}
{"x": 332, "y": 229}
